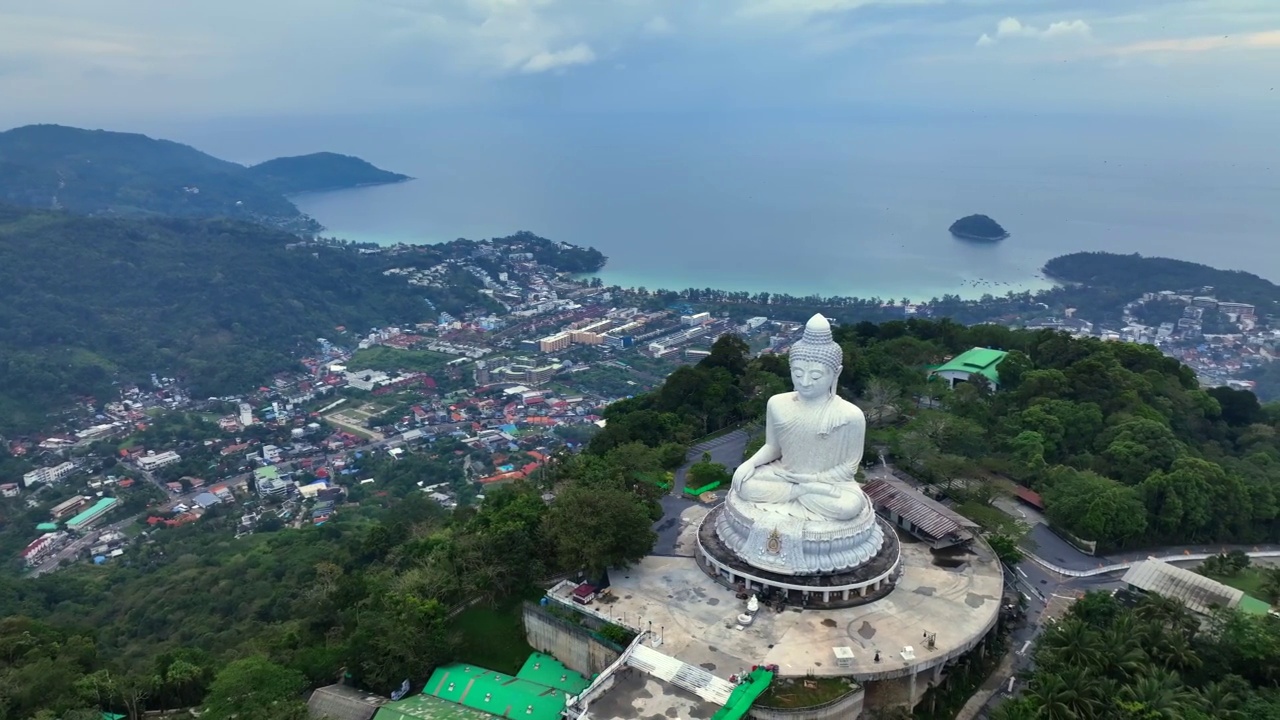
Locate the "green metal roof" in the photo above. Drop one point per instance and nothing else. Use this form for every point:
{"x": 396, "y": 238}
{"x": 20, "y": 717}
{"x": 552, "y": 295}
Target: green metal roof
{"x": 47, "y": 527}
{"x": 496, "y": 693}
{"x": 980, "y": 361}
{"x": 1253, "y": 606}
{"x": 103, "y": 505}
{"x": 546, "y": 670}
{"x": 428, "y": 707}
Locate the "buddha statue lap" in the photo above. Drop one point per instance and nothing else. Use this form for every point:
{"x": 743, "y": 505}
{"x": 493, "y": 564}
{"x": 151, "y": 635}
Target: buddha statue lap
{"x": 795, "y": 506}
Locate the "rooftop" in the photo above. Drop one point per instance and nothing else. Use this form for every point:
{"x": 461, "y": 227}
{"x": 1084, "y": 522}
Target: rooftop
{"x": 97, "y": 509}
{"x": 343, "y": 702}
{"x": 546, "y": 670}
{"x": 982, "y": 361}
{"x": 933, "y": 519}
{"x": 496, "y": 693}
{"x": 1197, "y": 592}
{"x": 428, "y": 707}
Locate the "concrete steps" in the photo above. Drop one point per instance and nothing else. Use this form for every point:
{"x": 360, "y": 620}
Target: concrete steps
{"x": 687, "y": 677}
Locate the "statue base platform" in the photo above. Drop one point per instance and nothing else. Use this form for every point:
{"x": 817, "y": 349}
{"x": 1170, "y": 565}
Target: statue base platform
{"x": 871, "y": 580}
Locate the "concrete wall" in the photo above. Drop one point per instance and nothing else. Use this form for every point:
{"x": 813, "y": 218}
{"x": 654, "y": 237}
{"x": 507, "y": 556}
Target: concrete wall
{"x": 571, "y": 644}
{"x": 848, "y": 707}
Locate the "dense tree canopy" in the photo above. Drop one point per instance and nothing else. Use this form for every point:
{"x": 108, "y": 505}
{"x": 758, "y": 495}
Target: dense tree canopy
{"x": 1152, "y": 661}
{"x": 193, "y": 615}
{"x": 1121, "y": 441}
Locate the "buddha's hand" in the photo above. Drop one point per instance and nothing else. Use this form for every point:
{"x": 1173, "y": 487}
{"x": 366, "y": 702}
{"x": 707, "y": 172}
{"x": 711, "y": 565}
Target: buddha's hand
{"x": 742, "y": 474}
{"x": 796, "y": 478}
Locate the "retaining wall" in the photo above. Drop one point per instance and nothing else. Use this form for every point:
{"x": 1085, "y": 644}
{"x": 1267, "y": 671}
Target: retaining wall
{"x": 575, "y": 646}
{"x": 845, "y": 707}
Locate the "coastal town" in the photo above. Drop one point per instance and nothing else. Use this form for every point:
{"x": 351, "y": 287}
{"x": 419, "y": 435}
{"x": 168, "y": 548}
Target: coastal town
{"x": 488, "y": 397}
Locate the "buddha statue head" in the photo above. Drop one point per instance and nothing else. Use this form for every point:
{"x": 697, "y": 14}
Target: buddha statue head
{"x": 816, "y": 361}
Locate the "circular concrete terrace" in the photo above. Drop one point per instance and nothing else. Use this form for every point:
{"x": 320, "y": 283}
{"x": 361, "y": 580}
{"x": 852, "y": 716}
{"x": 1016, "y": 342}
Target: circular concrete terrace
{"x": 953, "y": 596}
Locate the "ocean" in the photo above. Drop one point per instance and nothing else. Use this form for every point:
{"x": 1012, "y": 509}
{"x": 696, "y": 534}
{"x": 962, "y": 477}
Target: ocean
{"x": 836, "y": 205}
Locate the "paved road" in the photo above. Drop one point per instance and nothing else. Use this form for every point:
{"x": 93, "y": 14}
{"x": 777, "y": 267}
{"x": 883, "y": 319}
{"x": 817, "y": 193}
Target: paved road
{"x": 726, "y": 450}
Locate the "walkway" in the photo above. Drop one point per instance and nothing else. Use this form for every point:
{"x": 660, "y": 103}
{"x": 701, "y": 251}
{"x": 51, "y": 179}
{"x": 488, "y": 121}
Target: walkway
{"x": 681, "y": 674}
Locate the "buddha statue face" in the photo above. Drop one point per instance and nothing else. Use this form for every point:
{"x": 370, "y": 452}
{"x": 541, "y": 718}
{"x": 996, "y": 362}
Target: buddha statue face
{"x": 813, "y": 380}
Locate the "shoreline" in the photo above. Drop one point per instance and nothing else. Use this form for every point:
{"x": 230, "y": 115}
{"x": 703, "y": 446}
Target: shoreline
{"x": 978, "y": 238}
{"x": 341, "y": 188}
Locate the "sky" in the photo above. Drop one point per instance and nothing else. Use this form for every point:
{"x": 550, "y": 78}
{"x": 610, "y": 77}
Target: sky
{"x": 104, "y": 63}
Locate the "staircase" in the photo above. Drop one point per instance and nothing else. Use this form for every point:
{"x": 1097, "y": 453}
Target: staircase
{"x": 687, "y": 677}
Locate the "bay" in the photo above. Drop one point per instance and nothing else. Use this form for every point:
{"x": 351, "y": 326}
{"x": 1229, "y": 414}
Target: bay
{"x": 836, "y": 205}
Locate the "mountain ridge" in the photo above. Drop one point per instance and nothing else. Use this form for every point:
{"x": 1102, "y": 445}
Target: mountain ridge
{"x": 108, "y": 173}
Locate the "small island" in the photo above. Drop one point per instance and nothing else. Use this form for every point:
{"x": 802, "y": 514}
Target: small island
{"x": 320, "y": 171}
{"x": 978, "y": 227}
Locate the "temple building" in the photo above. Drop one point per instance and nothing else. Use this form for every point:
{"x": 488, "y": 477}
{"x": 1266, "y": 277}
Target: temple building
{"x": 978, "y": 361}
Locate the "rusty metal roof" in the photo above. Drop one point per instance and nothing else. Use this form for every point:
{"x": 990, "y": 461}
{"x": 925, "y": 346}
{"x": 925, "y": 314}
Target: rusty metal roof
{"x": 929, "y": 516}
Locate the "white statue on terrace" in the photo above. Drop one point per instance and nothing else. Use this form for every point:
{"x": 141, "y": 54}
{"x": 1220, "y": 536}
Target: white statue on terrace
{"x": 795, "y": 506}
{"x": 813, "y": 440}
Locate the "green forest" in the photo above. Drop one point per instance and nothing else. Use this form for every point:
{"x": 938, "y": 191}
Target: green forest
{"x": 1127, "y": 450}
{"x": 319, "y": 171}
{"x": 378, "y": 593}
{"x": 1118, "y": 279}
{"x": 1124, "y": 446}
{"x": 96, "y": 172}
{"x": 1151, "y": 660}
{"x": 221, "y": 305}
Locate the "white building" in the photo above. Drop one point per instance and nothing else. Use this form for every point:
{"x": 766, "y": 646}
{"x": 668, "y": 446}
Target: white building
{"x": 246, "y": 414}
{"x": 152, "y": 461}
{"x": 53, "y": 474}
{"x": 271, "y": 454}
{"x": 41, "y": 548}
{"x": 367, "y": 380}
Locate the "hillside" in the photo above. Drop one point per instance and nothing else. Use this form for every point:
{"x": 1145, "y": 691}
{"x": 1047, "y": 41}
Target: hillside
{"x": 97, "y": 172}
{"x": 222, "y": 304}
{"x": 320, "y": 171}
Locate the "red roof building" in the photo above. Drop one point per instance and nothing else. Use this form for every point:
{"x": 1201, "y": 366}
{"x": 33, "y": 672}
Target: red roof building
{"x": 1029, "y": 496}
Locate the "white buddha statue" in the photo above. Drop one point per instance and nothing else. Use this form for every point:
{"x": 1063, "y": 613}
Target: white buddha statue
{"x": 795, "y": 505}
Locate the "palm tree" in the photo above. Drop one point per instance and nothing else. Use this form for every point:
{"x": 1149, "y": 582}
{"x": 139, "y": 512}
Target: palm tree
{"x": 1090, "y": 691}
{"x": 1021, "y": 709}
{"x": 1073, "y": 642}
{"x": 1054, "y": 698}
{"x": 1176, "y": 653}
{"x": 1218, "y": 700}
{"x": 1162, "y": 692}
{"x": 1168, "y": 612}
{"x": 1126, "y": 658}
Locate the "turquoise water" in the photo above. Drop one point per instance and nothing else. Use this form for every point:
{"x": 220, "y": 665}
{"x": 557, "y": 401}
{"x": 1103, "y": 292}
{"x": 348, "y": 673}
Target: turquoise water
{"x": 799, "y": 205}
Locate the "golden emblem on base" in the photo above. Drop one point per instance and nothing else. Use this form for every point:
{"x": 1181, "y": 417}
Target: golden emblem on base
{"x": 774, "y": 544}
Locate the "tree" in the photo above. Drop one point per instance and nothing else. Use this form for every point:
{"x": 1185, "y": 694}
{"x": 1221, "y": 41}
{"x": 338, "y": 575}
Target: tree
{"x": 706, "y": 472}
{"x": 595, "y": 528}
{"x": 254, "y": 688}
{"x": 114, "y": 689}
{"x": 882, "y": 398}
{"x": 1093, "y": 507}
{"x": 1006, "y": 548}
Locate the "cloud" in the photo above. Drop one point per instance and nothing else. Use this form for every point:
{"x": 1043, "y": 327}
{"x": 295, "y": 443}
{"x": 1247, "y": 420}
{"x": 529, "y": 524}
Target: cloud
{"x": 1268, "y": 39}
{"x": 817, "y": 7}
{"x": 1012, "y": 27}
{"x": 659, "y": 25}
{"x": 580, "y": 54}
{"x": 70, "y": 59}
